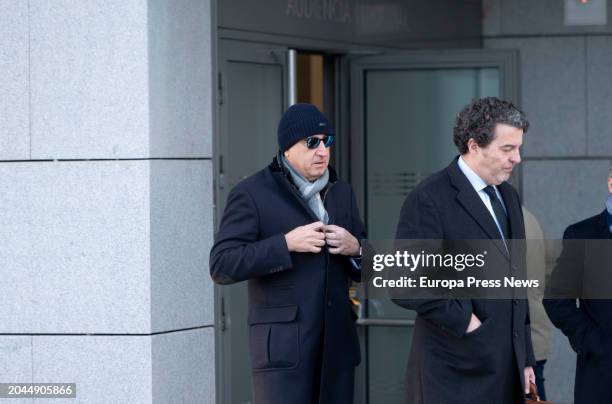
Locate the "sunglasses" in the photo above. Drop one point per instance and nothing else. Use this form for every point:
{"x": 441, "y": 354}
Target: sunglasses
{"x": 313, "y": 142}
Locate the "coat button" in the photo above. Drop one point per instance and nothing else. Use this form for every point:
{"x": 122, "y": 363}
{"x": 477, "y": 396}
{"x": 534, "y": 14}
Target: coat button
{"x": 515, "y": 334}
{"x": 516, "y": 301}
{"x": 329, "y": 303}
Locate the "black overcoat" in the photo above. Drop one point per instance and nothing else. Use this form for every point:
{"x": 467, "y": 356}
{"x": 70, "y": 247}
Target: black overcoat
{"x": 303, "y": 342}
{"x": 589, "y": 326}
{"x": 446, "y": 365}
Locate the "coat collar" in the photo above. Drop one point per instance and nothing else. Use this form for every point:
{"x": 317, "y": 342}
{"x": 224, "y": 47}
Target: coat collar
{"x": 471, "y": 202}
{"x": 284, "y": 177}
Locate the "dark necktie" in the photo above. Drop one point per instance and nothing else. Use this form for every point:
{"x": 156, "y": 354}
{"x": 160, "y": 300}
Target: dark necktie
{"x": 499, "y": 211}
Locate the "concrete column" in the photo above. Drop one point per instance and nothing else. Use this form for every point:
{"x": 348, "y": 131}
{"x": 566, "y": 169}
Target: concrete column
{"x": 107, "y": 204}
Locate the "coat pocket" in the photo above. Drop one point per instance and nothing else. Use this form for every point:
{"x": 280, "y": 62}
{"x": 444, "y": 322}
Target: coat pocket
{"x": 274, "y": 337}
{"x": 482, "y": 327}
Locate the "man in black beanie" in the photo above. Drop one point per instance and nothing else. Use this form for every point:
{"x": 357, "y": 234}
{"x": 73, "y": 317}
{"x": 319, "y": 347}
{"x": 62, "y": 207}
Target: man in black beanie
{"x": 293, "y": 231}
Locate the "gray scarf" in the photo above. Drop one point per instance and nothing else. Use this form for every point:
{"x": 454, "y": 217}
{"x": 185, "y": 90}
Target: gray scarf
{"x": 310, "y": 190}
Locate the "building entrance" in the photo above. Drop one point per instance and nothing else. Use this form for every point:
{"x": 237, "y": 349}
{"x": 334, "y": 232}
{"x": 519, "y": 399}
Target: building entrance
{"x": 394, "y": 113}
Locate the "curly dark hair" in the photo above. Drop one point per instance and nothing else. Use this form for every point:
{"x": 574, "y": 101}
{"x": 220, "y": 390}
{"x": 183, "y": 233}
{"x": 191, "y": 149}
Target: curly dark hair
{"x": 478, "y": 119}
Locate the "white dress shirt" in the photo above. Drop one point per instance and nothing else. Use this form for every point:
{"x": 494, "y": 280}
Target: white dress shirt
{"x": 479, "y": 186}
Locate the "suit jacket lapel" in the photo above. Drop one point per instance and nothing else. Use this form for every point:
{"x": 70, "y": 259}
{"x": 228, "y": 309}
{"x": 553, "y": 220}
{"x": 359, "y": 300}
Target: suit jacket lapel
{"x": 474, "y": 206}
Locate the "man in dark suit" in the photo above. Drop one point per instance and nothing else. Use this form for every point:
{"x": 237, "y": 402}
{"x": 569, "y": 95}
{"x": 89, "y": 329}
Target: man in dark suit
{"x": 471, "y": 350}
{"x": 585, "y": 267}
{"x": 292, "y": 230}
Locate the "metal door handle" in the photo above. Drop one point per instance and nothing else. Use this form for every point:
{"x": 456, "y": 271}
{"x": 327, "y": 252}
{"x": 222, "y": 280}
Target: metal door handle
{"x": 384, "y": 322}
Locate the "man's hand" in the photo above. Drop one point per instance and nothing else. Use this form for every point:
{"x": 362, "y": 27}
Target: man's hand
{"x": 529, "y": 377}
{"x": 308, "y": 238}
{"x": 474, "y": 323}
{"x": 340, "y": 241}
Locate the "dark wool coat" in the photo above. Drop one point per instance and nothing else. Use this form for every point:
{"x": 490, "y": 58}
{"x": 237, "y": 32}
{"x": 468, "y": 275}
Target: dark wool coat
{"x": 446, "y": 365}
{"x": 588, "y": 327}
{"x": 303, "y": 341}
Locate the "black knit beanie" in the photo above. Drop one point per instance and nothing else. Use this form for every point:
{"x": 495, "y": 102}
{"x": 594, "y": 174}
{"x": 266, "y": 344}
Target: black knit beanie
{"x": 299, "y": 122}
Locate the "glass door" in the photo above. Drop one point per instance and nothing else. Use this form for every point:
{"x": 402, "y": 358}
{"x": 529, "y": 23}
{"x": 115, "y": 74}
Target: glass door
{"x": 403, "y": 108}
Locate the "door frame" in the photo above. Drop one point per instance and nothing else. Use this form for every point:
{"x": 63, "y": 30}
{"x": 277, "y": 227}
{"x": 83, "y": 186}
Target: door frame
{"x": 235, "y": 45}
{"x": 242, "y": 46}
{"x": 227, "y": 52}
{"x": 507, "y": 61}
{"x": 351, "y": 58}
